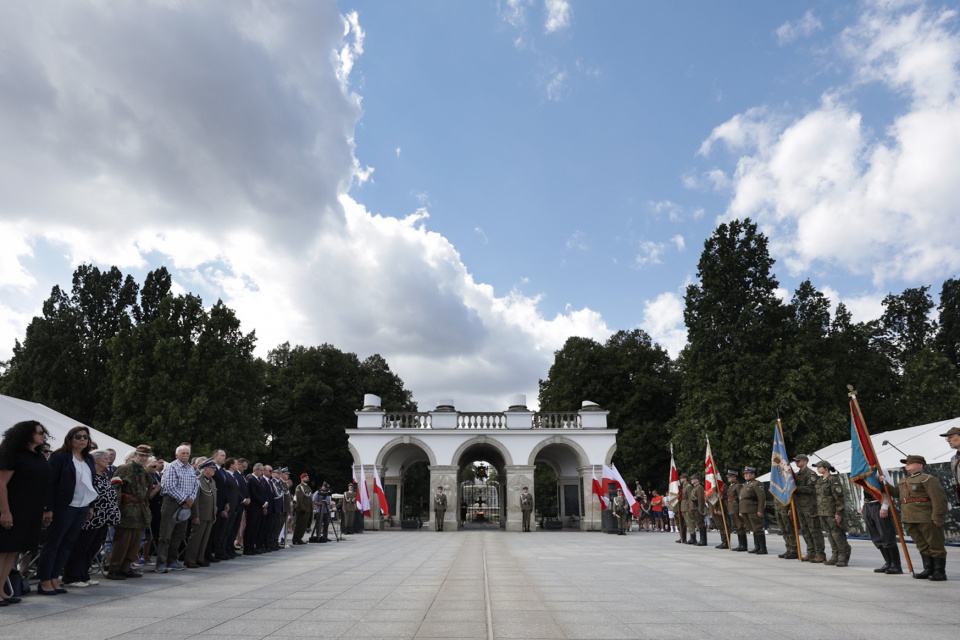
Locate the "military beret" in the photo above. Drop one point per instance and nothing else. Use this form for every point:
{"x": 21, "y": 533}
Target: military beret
{"x": 304, "y": 475}
{"x": 914, "y": 460}
{"x": 801, "y": 456}
{"x": 750, "y": 470}
{"x": 953, "y": 431}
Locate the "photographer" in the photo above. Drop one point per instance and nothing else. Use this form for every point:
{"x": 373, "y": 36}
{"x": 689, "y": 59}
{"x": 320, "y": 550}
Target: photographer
{"x": 322, "y": 503}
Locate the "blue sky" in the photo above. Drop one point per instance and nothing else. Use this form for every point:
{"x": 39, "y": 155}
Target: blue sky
{"x": 460, "y": 186}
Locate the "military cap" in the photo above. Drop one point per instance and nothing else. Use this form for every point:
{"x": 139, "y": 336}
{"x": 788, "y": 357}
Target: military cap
{"x": 825, "y": 464}
{"x": 440, "y": 488}
{"x": 209, "y": 463}
{"x": 731, "y": 473}
{"x": 750, "y": 470}
{"x": 144, "y": 449}
{"x": 304, "y": 475}
{"x": 526, "y": 489}
{"x": 914, "y": 459}
{"x": 801, "y": 456}
{"x": 953, "y": 431}
{"x": 694, "y": 476}
{"x": 619, "y": 490}
{"x": 682, "y": 476}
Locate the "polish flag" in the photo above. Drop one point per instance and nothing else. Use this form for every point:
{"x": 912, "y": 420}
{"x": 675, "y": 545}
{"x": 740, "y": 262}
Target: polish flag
{"x": 363, "y": 498}
{"x": 381, "y": 496}
{"x": 713, "y": 487}
{"x": 598, "y": 490}
{"x": 672, "y": 499}
{"x": 618, "y": 479}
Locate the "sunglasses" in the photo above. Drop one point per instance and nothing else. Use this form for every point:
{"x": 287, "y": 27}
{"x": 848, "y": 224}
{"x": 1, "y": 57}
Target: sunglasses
{"x": 80, "y": 436}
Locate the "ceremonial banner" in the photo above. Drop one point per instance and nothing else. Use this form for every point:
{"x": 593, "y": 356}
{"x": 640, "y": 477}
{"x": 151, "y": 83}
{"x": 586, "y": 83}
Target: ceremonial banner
{"x": 618, "y": 479}
{"x": 381, "y": 496}
{"x": 782, "y": 484}
{"x": 863, "y": 459}
{"x": 363, "y": 497}
{"x": 713, "y": 487}
{"x": 673, "y": 489}
{"x": 598, "y": 491}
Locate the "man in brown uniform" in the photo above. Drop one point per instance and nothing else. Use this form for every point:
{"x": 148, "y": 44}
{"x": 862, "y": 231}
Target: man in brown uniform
{"x": 696, "y": 509}
{"x": 133, "y": 491}
{"x": 753, "y": 500}
{"x": 733, "y": 510}
{"x": 923, "y": 508}
{"x": 681, "y": 506}
{"x": 805, "y": 502}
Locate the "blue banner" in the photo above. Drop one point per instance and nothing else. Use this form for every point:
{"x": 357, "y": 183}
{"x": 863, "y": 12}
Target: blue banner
{"x": 862, "y": 472}
{"x": 782, "y": 484}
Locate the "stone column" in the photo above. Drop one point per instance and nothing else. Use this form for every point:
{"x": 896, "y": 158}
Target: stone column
{"x": 518, "y": 477}
{"x": 591, "y": 520}
{"x": 443, "y": 475}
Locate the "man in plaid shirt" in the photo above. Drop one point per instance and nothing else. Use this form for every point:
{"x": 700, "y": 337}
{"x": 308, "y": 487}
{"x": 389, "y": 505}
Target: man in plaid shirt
{"x": 180, "y": 487}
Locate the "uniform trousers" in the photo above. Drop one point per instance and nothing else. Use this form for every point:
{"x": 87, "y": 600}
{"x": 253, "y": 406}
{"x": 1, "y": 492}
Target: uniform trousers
{"x": 836, "y": 535}
{"x": 752, "y": 523}
{"x": 928, "y": 537}
{"x": 785, "y": 519}
{"x": 197, "y": 544}
{"x": 126, "y": 548}
{"x": 810, "y": 528}
{"x": 696, "y": 520}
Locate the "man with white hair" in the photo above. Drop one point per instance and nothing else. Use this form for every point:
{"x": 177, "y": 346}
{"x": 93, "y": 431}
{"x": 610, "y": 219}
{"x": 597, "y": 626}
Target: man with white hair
{"x": 180, "y": 487}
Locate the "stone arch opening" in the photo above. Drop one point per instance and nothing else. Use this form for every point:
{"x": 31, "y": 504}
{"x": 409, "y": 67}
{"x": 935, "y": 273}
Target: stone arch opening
{"x": 481, "y": 485}
{"x": 404, "y": 466}
{"x": 558, "y": 483}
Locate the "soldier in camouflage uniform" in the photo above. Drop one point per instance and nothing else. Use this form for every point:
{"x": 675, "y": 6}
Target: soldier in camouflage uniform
{"x": 830, "y": 511}
{"x": 785, "y": 519}
{"x": 133, "y": 489}
{"x": 923, "y": 508}
{"x": 753, "y": 501}
{"x": 696, "y": 510}
{"x": 733, "y": 510}
{"x": 805, "y": 502}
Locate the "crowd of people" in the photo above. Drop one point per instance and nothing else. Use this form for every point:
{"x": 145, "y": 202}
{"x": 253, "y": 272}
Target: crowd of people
{"x": 81, "y": 511}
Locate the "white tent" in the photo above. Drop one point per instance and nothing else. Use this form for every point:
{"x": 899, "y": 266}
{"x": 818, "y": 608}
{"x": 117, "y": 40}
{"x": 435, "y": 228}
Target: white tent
{"x": 13, "y": 411}
{"x": 923, "y": 440}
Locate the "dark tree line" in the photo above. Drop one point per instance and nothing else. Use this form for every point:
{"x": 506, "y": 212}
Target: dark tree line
{"x": 147, "y": 366}
{"x": 751, "y": 357}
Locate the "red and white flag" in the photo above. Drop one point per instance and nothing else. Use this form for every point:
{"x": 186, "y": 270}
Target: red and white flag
{"x": 363, "y": 498}
{"x": 618, "y": 479}
{"x": 713, "y": 486}
{"x": 598, "y": 491}
{"x": 673, "y": 489}
{"x": 381, "y": 496}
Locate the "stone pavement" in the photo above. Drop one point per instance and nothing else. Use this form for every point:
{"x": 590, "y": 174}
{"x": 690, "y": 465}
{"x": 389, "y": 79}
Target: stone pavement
{"x": 492, "y": 584}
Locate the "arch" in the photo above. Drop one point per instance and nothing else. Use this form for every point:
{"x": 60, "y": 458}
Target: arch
{"x": 401, "y": 441}
{"x": 482, "y": 440}
{"x": 608, "y": 460}
{"x": 353, "y": 452}
{"x": 558, "y": 439}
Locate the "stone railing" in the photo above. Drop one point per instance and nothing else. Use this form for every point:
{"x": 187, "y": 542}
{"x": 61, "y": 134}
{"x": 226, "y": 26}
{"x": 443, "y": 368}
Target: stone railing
{"x": 407, "y": 421}
{"x": 557, "y": 420}
{"x": 481, "y": 420}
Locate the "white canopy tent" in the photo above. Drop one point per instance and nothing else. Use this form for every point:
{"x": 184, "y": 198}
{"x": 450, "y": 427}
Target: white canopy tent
{"x": 13, "y": 411}
{"x": 923, "y": 440}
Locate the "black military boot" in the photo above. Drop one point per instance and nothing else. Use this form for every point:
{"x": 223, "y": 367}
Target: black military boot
{"x": 741, "y": 541}
{"x": 762, "y": 544}
{"x": 723, "y": 541}
{"x": 895, "y": 568}
{"x": 756, "y": 543}
{"x": 693, "y": 537}
{"x": 789, "y": 555}
{"x": 939, "y": 569}
{"x": 703, "y": 537}
{"x": 886, "y": 561}
{"x": 927, "y": 568}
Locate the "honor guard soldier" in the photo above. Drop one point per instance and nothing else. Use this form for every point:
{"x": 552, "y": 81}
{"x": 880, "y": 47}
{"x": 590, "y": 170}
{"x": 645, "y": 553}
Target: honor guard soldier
{"x": 439, "y": 508}
{"x": 697, "y": 511}
{"x": 303, "y": 508}
{"x": 953, "y": 439}
{"x": 831, "y": 507}
{"x": 620, "y": 507}
{"x": 349, "y": 509}
{"x": 805, "y": 502}
{"x": 923, "y": 508}
{"x": 526, "y": 507}
{"x": 753, "y": 500}
{"x": 681, "y": 508}
{"x": 785, "y": 520}
{"x": 733, "y": 511}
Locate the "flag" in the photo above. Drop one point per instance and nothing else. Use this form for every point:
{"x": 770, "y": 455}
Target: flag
{"x": 381, "y": 496}
{"x": 598, "y": 490}
{"x": 673, "y": 489}
{"x": 863, "y": 459}
{"x": 712, "y": 484}
{"x": 782, "y": 483}
{"x": 618, "y": 479}
{"x": 363, "y": 498}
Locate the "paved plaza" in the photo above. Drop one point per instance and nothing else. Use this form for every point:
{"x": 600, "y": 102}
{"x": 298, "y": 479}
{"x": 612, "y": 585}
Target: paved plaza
{"x": 492, "y": 584}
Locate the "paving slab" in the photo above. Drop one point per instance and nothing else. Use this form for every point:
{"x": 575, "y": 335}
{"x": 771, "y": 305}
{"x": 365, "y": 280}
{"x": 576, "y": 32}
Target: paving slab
{"x": 490, "y": 584}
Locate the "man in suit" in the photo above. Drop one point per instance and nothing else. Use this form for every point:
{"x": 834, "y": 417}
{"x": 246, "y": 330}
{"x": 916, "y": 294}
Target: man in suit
{"x": 244, "y": 490}
{"x": 214, "y": 551}
{"x": 257, "y": 511}
{"x": 224, "y": 544}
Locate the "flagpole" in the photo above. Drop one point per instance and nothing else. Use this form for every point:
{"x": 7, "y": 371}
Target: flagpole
{"x": 723, "y": 511}
{"x": 886, "y": 490}
{"x": 793, "y": 507}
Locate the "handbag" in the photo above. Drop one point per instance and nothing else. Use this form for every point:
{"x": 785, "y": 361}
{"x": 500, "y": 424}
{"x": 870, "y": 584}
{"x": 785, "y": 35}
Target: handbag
{"x": 16, "y": 585}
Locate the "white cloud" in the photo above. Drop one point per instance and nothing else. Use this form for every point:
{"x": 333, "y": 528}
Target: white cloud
{"x": 398, "y": 152}
{"x": 514, "y": 12}
{"x": 805, "y": 26}
{"x": 649, "y": 253}
{"x": 558, "y": 15}
{"x": 483, "y": 236}
{"x": 678, "y": 242}
{"x": 224, "y": 149}
{"x": 576, "y": 241}
{"x": 672, "y": 210}
{"x": 828, "y": 189}
{"x": 555, "y": 85}
{"x": 663, "y": 320}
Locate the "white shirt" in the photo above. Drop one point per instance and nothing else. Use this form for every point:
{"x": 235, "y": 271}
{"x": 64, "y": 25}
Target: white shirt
{"x": 83, "y": 491}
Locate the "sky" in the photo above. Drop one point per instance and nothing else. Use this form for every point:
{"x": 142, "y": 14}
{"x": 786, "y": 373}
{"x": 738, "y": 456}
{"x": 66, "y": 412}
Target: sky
{"x": 461, "y": 186}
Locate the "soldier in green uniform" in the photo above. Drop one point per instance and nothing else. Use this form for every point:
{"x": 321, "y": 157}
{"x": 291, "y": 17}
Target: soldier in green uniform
{"x": 133, "y": 489}
{"x": 733, "y": 510}
{"x": 830, "y": 511}
{"x": 785, "y": 519}
{"x": 805, "y": 502}
{"x": 620, "y": 507}
{"x": 697, "y": 509}
{"x": 349, "y": 509}
{"x": 923, "y": 508}
{"x": 681, "y": 506}
{"x": 303, "y": 507}
{"x": 753, "y": 500}
{"x": 439, "y": 508}
{"x": 526, "y": 507}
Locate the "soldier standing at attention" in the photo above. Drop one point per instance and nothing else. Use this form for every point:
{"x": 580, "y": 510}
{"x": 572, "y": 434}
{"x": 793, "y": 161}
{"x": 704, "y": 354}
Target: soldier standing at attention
{"x": 697, "y": 511}
{"x": 349, "y": 509}
{"x": 439, "y": 508}
{"x": 620, "y": 507}
{"x": 733, "y": 510}
{"x": 923, "y": 508}
{"x": 681, "y": 508}
{"x": 753, "y": 500}
{"x": 805, "y": 502}
{"x": 303, "y": 504}
{"x": 830, "y": 511}
{"x": 953, "y": 439}
{"x": 526, "y": 507}
{"x": 785, "y": 519}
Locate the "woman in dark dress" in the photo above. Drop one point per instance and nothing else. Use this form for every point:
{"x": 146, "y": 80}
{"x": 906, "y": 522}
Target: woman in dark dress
{"x": 24, "y": 473}
{"x": 106, "y": 512}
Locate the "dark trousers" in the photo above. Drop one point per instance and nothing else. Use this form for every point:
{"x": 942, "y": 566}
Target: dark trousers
{"x": 85, "y": 548}
{"x": 881, "y": 530}
{"x": 126, "y": 548}
{"x": 216, "y": 546}
{"x": 251, "y": 535}
{"x": 61, "y": 536}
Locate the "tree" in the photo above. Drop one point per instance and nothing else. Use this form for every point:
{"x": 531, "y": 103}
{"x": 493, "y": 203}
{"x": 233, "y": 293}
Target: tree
{"x": 948, "y": 336}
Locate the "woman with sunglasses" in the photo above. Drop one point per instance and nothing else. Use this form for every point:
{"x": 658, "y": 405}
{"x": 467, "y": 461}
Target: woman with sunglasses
{"x": 69, "y": 503}
{"x": 23, "y": 482}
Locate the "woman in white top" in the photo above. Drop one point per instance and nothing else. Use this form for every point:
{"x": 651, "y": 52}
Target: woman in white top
{"x": 69, "y": 503}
